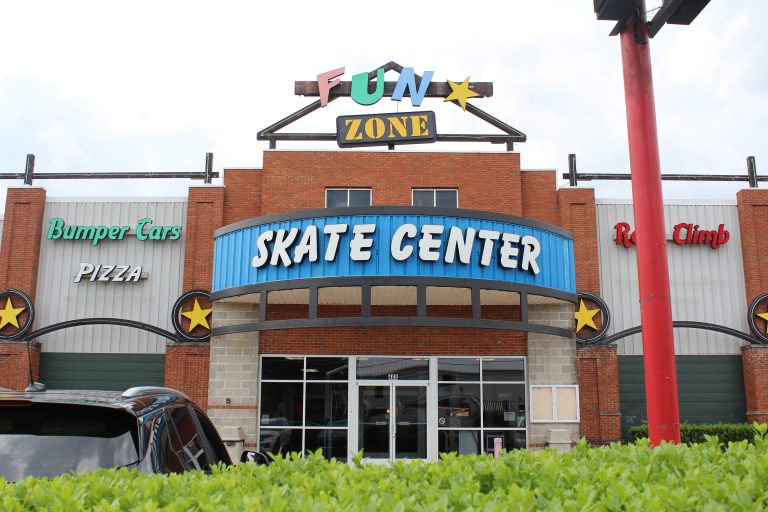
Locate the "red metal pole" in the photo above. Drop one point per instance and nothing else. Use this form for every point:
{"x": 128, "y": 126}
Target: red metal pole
{"x": 653, "y": 271}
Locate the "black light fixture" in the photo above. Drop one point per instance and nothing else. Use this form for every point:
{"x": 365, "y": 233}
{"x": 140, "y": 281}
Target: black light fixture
{"x": 676, "y": 12}
{"x": 615, "y": 10}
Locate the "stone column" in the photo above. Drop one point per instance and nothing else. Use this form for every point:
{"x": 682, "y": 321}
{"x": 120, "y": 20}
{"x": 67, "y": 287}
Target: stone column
{"x": 551, "y": 360}
{"x": 233, "y": 384}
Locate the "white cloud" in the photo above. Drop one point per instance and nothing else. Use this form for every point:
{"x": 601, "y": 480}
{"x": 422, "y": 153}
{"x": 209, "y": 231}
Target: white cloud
{"x": 88, "y": 85}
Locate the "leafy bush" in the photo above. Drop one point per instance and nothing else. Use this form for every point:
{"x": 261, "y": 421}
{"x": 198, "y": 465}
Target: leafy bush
{"x": 692, "y": 434}
{"x": 616, "y": 477}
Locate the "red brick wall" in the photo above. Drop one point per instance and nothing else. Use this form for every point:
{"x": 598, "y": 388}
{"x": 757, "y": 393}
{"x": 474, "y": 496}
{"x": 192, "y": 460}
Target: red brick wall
{"x": 14, "y": 364}
{"x": 242, "y": 194}
{"x": 22, "y": 230}
{"x": 205, "y": 214}
{"x": 540, "y": 197}
{"x": 578, "y": 214}
{"x": 752, "y": 206}
{"x": 393, "y": 341}
{"x": 187, "y": 369}
{"x": 296, "y": 180}
{"x": 755, "y": 362}
{"x": 597, "y": 370}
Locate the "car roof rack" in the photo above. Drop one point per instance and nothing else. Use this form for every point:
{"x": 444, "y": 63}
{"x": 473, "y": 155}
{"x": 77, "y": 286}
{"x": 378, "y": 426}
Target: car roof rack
{"x": 151, "y": 390}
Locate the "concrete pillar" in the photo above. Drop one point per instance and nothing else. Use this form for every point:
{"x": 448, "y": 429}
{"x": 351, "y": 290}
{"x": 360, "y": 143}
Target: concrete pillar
{"x": 551, "y": 361}
{"x": 234, "y": 371}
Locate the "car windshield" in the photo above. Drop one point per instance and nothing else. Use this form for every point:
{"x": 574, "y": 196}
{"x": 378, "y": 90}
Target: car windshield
{"x": 47, "y": 440}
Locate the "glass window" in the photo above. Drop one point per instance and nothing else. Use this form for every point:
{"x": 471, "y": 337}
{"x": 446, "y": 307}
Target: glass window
{"x": 463, "y": 442}
{"x": 504, "y": 405}
{"x": 458, "y": 405}
{"x": 510, "y": 439}
{"x": 282, "y": 368}
{"x": 213, "y": 447}
{"x": 481, "y": 400}
{"x": 341, "y": 197}
{"x": 327, "y": 368}
{"x": 305, "y": 393}
{"x": 281, "y": 403}
{"x": 503, "y": 370}
{"x": 332, "y": 442}
{"x": 442, "y": 198}
{"x": 185, "y": 440}
{"x": 280, "y": 440}
{"x": 48, "y": 440}
{"x": 327, "y": 405}
{"x": 458, "y": 369}
{"x": 400, "y": 368}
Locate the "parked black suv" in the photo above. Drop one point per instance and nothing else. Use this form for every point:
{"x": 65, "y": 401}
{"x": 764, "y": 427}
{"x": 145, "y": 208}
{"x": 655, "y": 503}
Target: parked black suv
{"x": 156, "y": 430}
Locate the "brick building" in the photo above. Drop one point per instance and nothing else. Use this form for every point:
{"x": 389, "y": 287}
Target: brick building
{"x": 399, "y": 303}
{"x": 311, "y": 351}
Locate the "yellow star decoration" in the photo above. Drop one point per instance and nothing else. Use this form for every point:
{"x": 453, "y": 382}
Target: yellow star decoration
{"x": 10, "y": 314}
{"x": 764, "y": 316}
{"x": 460, "y": 92}
{"x": 585, "y": 316}
{"x": 197, "y": 316}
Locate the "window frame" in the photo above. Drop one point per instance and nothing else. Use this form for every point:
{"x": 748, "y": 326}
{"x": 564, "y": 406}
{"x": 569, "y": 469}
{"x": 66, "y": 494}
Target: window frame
{"x": 434, "y": 195}
{"x": 348, "y": 190}
{"x": 554, "y": 388}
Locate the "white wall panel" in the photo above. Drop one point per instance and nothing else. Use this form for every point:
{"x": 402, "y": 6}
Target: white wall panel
{"x": 706, "y": 284}
{"x": 150, "y": 300}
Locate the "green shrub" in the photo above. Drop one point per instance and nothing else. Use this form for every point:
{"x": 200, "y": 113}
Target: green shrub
{"x": 616, "y": 477}
{"x": 692, "y": 434}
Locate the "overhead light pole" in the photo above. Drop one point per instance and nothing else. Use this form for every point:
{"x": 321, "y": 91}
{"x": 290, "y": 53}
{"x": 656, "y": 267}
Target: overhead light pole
{"x": 648, "y": 204}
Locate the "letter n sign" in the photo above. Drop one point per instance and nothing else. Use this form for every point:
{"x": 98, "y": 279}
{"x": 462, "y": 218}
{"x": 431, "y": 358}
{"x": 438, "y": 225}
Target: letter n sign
{"x": 384, "y": 129}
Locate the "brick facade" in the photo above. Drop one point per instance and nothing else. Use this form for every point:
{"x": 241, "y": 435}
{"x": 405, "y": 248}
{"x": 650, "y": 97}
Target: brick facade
{"x": 20, "y": 250}
{"x": 598, "y": 376}
{"x": 14, "y": 364}
{"x": 187, "y": 367}
{"x": 752, "y": 205}
{"x": 755, "y": 362}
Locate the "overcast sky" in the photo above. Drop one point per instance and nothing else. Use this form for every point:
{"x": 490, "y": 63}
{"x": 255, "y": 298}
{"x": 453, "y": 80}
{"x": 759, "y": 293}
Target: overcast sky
{"x": 139, "y": 86}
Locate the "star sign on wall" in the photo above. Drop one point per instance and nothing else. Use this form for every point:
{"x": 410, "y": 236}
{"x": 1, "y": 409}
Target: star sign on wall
{"x": 10, "y": 314}
{"x": 585, "y": 316}
{"x": 197, "y": 316}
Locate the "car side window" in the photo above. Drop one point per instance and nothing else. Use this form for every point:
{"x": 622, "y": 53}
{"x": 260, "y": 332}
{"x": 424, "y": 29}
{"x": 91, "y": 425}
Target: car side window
{"x": 214, "y": 447}
{"x": 185, "y": 440}
{"x": 169, "y": 461}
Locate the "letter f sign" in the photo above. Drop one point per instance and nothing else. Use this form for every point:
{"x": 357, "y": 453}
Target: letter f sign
{"x": 325, "y": 84}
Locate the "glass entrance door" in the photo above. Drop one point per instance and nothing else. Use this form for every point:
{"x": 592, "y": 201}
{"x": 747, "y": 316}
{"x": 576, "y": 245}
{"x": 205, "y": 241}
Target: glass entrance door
{"x": 392, "y": 421}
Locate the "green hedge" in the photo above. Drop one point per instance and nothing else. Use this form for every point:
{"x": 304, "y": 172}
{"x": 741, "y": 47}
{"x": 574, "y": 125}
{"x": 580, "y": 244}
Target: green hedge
{"x": 692, "y": 434}
{"x": 617, "y": 477}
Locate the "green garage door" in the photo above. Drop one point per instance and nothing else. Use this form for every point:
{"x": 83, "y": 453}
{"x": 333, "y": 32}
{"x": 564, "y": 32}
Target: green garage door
{"x": 114, "y": 372}
{"x": 710, "y": 390}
